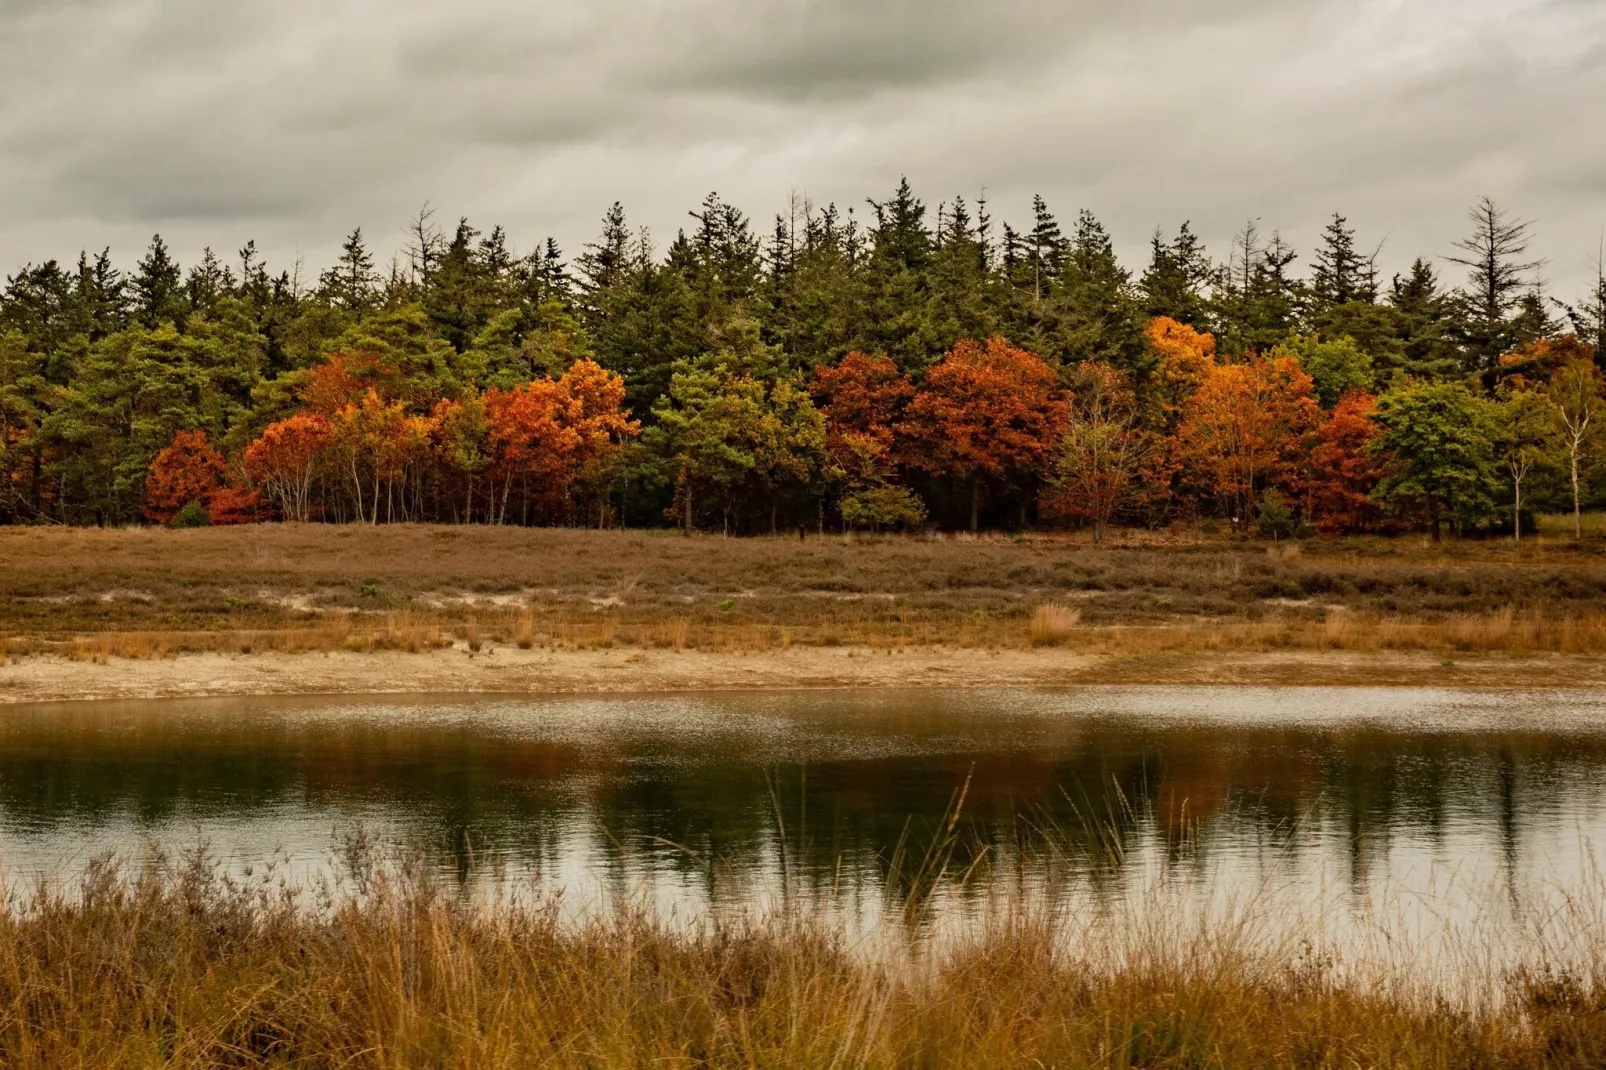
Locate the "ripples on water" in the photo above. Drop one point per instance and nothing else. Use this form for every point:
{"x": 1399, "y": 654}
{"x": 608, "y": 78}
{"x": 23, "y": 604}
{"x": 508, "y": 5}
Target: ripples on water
{"x": 1411, "y": 825}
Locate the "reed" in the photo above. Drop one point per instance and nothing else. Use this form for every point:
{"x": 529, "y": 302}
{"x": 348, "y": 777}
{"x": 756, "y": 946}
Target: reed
{"x": 1053, "y": 623}
{"x": 176, "y": 965}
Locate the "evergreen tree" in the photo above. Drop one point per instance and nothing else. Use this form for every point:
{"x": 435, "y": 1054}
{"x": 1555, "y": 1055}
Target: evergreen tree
{"x": 158, "y": 288}
{"x": 1177, "y": 279}
{"x": 1339, "y": 273}
{"x": 1427, "y": 319}
{"x": 1496, "y": 278}
{"x": 897, "y": 283}
{"x": 351, "y": 282}
{"x": 208, "y": 281}
{"x": 1097, "y": 314}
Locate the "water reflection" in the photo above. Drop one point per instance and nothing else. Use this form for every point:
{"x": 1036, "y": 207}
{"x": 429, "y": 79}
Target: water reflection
{"x": 718, "y": 798}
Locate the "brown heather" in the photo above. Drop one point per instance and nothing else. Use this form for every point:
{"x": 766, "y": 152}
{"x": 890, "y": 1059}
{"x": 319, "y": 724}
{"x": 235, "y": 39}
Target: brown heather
{"x": 93, "y": 594}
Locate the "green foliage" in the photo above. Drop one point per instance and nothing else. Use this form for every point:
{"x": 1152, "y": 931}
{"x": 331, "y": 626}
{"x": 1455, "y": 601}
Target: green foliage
{"x": 1336, "y": 366}
{"x": 883, "y": 507}
{"x": 1274, "y": 519}
{"x": 1439, "y": 443}
{"x": 713, "y": 335}
{"x": 193, "y": 515}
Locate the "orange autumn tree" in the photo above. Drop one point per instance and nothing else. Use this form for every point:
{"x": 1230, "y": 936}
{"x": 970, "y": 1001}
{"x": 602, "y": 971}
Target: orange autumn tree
{"x": 550, "y": 436}
{"x": 1243, "y": 430}
{"x": 985, "y": 413}
{"x": 862, "y": 398}
{"x": 344, "y": 379}
{"x": 187, "y": 471}
{"x": 284, "y": 460}
{"x": 1186, "y": 357}
{"x": 376, "y": 442}
{"x": 1344, "y": 468}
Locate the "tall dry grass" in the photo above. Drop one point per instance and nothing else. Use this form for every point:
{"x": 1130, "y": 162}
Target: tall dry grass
{"x": 178, "y": 966}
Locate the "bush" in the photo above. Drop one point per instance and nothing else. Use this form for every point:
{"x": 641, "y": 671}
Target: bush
{"x": 193, "y": 515}
{"x": 883, "y": 507}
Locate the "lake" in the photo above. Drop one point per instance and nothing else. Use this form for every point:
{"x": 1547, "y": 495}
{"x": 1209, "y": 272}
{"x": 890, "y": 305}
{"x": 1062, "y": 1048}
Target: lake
{"x": 1465, "y": 818}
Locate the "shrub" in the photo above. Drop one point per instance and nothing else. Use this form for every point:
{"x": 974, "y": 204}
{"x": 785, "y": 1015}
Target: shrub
{"x": 883, "y": 507}
{"x": 1053, "y": 623}
{"x": 193, "y": 515}
{"x": 1275, "y": 520}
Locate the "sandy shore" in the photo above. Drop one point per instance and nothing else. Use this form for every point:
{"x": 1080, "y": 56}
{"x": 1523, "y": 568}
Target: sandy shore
{"x": 512, "y": 671}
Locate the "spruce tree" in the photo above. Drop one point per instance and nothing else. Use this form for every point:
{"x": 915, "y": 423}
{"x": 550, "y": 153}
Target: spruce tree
{"x": 1177, "y": 279}
{"x": 158, "y": 287}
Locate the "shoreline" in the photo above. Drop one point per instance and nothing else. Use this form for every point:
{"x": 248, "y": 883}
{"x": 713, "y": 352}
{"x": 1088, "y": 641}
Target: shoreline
{"x": 509, "y": 670}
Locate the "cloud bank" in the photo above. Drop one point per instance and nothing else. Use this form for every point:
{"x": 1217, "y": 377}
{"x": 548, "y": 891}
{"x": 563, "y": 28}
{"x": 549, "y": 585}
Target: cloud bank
{"x": 291, "y": 122}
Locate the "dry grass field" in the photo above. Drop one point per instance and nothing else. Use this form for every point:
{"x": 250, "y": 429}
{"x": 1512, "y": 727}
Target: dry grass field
{"x": 143, "y": 592}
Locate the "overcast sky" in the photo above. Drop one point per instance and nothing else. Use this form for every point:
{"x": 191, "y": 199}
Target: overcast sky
{"x": 291, "y": 121}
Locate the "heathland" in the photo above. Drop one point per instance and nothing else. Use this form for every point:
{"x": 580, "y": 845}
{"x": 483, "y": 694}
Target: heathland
{"x": 488, "y": 608}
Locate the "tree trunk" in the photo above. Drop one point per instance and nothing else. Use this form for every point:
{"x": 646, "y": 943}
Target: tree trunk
{"x": 1578, "y": 516}
{"x": 1438, "y": 534}
{"x": 1516, "y": 512}
{"x": 688, "y": 509}
{"x": 975, "y": 504}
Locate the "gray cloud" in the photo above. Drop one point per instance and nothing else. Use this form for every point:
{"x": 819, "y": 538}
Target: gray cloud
{"x": 292, "y": 121}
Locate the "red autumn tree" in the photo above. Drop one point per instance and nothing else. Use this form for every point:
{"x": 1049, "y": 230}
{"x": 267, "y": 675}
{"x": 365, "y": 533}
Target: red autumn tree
{"x": 189, "y": 470}
{"x": 284, "y": 460}
{"x": 1243, "y": 430}
{"x": 985, "y": 412}
{"x": 1344, "y": 469}
{"x": 862, "y": 398}
{"x": 235, "y": 505}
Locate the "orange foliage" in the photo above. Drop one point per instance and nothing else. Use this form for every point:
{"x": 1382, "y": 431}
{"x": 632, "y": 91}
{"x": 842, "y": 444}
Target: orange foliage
{"x": 1243, "y": 430}
{"x": 1537, "y": 361}
{"x": 1186, "y": 359}
{"x": 235, "y": 505}
{"x": 985, "y": 412}
{"x": 1343, "y": 471}
{"x": 861, "y": 399}
{"x": 284, "y": 459}
{"x": 344, "y": 379}
{"x": 187, "y": 470}
{"x": 549, "y": 434}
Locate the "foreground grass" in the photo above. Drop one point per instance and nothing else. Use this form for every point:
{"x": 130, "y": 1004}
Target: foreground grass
{"x": 182, "y": 968}
{"x": 149, "y": 592}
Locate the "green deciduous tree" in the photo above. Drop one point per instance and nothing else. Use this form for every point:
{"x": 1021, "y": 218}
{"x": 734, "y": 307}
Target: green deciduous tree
{"x": 1438, "y": 443}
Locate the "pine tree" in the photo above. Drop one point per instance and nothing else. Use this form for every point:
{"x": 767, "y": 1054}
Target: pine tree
{"x": 1427, "y": 319}
{"x": 1177, "y": 279}
{"x": 1496, "y": 278}
{"x": 208, "y": 281}
{"x": 1097, "y": 315}
{"x": 350, "y": 283}
{"x": 1588, "y": 317}
{"x": 158, "y": 287}
{"x": 1339, "y": 273}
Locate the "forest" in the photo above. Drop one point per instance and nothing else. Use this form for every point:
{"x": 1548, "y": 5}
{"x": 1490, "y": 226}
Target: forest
{"x": 893, "y": 369}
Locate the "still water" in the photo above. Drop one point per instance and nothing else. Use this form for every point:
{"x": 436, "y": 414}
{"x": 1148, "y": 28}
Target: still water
{"x": 1471, "y": 812}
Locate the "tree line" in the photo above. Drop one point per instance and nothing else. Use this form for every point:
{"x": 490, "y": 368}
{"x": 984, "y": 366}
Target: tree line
{"x": 904, "y": 369}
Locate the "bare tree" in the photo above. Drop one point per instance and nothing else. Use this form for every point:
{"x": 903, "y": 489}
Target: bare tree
{"x": 1575, "y": 399}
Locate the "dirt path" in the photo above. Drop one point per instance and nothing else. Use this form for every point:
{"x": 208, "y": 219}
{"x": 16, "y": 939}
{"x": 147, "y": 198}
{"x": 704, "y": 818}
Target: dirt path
{"x": 509, "y": 670}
